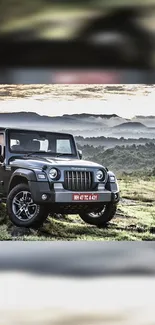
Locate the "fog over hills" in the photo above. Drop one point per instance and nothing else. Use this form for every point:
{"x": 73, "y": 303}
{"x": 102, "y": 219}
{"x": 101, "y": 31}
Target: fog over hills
{"x": 86, "y": 125}
{"x": 85, "y": 115}
{"x": 130, "y": 125}
{"x": 147, "y": 120}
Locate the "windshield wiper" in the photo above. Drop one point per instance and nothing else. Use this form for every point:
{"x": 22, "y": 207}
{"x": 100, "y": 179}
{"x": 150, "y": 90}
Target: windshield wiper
{"x": 36, "y": 153}
{"x": 63, "y": 154}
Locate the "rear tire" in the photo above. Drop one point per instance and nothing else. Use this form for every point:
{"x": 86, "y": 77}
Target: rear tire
{"x": 101, "y": 218}
{"x": 21, "y": 209}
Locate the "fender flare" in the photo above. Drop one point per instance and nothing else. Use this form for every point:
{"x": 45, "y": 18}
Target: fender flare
{"x": 112, "y": 186}
{"x": 28, "y": 174}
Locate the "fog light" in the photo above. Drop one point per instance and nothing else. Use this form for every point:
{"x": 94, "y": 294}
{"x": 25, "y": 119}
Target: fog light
{"x": 116, "y": 196}
{"x": 44, "y": 197}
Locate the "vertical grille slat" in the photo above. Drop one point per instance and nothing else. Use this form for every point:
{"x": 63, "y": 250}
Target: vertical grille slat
{"x": 89, "y": 177}
{"x": 73, "y": 180}
{"x": 70, "y": 180}
{"x": 80, "y": 177}
{"x": 77, "y": 180}
{"x": 85, "y": 181}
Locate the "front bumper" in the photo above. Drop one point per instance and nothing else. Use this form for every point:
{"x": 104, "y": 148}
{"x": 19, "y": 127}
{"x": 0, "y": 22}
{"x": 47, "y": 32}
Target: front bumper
{"x": 59, "y": 195}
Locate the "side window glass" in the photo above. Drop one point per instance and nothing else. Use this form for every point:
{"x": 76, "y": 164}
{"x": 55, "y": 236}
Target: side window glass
{"x": 1, "y": 139}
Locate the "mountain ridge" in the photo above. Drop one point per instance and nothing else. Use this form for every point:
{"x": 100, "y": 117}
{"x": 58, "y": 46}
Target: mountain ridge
{"x": 83, "y": 115}
{"x": 130, "y": 125}
{"x": 80, "y": 115}
{"x": 110, "y": 125}
{"x": 144, "y": 117}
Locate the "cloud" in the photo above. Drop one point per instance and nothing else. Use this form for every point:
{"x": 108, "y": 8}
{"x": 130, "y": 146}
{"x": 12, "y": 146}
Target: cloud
{"x": 123, "y": 105}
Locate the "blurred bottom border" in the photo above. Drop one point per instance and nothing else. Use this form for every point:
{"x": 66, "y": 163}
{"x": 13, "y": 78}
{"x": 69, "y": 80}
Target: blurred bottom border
{"x": 74, "y": 259}
{"x": 42, "y": 283}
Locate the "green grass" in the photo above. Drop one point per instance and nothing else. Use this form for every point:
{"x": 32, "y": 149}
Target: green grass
{"x": 135, "y": 219}
{"x": 138, "y": 189}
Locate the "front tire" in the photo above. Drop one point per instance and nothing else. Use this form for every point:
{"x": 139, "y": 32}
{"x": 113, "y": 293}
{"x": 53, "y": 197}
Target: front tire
{"x": 22, "y": 210}
{"x": 100, "y": 219}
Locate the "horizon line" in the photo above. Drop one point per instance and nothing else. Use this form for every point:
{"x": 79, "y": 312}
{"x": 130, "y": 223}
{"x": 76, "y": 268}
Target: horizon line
{"x": 83, "y": 113}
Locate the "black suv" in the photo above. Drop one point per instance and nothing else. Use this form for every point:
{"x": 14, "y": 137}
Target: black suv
{"x": 43, "y": 172}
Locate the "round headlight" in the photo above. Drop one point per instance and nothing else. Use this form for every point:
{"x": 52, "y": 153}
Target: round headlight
{"x": 100, "y": 175}
{"x": 53, "y": 173}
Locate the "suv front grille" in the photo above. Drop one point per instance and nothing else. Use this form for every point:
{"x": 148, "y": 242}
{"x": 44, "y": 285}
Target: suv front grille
{"x": 78, "y": 180}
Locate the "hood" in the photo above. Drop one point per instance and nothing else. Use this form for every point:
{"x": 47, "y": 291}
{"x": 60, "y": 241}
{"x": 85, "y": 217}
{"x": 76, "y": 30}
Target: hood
{"x": 39, "y": 162}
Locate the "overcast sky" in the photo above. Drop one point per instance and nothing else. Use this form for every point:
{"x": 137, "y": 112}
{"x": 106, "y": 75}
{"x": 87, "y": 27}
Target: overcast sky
{"x": 122, "y": 105}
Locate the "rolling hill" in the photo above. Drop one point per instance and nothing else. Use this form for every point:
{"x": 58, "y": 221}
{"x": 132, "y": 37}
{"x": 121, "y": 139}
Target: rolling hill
{"x": 86, "y": 125}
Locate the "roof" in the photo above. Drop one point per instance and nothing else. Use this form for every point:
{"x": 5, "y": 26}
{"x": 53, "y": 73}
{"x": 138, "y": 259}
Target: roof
{"x": 2, "y": 129}
{"x": 29, "y": 130}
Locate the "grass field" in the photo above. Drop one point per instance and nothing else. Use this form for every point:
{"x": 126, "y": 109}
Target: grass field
{"x": 135, "y": 219}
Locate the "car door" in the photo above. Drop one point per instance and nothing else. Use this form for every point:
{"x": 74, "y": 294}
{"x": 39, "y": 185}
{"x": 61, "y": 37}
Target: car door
{"x": 2, "y": 169}
{"x": 5, "y": 169}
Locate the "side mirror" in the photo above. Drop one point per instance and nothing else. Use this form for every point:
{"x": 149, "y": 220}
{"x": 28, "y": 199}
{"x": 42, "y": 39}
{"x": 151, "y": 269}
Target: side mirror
{"x": 80, "y": 154}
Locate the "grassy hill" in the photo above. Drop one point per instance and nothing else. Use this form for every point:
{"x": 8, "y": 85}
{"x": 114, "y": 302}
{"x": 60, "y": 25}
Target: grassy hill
{"x": 140, "y": 158}
{"x": 135, "y": 219}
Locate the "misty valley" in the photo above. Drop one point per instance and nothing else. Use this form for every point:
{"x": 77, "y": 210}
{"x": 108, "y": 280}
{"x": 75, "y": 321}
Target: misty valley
{"x": 123, "y": 145}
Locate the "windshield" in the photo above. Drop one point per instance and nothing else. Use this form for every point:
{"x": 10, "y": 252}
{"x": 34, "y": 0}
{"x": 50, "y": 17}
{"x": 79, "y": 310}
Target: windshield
{"x": 42, "y": 142}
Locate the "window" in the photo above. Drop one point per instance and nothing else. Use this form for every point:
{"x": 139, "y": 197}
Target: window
{"x": 63, "y": 146}
{"x": 1, "y": 139}
{"x": 41, "y": 142}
